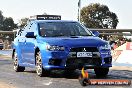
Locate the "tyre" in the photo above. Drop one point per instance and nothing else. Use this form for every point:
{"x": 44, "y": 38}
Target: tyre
{"x": 101, "y": 72}
{"x": 16, "y": 66}
{"x": 39, "y": 66}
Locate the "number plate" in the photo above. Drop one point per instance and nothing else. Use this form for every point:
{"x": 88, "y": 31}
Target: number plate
{"x": 84, "y": 54}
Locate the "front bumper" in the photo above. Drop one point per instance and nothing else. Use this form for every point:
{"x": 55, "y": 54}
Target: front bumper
{"x": 64, "y": 60}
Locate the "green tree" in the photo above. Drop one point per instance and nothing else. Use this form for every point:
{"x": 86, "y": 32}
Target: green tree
{"x": 98, "y": 16}
{"x": 23, "y": 22}
{"x": 8, "y": 24}
{"x": 1, "y": 20}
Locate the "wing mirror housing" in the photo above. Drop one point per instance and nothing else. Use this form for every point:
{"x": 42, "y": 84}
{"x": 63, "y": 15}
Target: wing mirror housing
{"x": 30, "y": 35}
{"x": 96, "y": 33}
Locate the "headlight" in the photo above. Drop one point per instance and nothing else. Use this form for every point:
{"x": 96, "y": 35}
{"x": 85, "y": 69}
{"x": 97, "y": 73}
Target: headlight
{"x": 107, "y": 46}
{"x": 54, "y": 48}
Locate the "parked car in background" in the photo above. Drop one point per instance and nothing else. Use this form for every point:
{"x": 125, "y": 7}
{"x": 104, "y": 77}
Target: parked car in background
{"x": 1, "y": 44}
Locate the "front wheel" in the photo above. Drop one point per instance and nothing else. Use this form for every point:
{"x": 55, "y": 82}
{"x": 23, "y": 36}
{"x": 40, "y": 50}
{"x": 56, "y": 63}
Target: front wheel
{"x": 17, "y": 68}
{"x": 39, "y": 66}
{"x": 101, "y": 72}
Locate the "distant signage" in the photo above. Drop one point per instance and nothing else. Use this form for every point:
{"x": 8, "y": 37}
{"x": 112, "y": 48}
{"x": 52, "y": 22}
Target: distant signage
{"x": 45, "y": 17}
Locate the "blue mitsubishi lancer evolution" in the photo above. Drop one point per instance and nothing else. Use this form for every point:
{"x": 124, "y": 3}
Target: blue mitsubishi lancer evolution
{"x": 49, "y": 43}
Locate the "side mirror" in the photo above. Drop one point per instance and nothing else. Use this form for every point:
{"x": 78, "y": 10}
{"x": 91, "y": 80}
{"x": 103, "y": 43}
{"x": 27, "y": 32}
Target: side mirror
{"x": 96, "y": 33}
{"x": 30, "y": 35}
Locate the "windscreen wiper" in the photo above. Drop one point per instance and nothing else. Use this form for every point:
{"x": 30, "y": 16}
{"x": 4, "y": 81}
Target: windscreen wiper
{"x": 58, "y": 35}
{"x": 74, "y": 36}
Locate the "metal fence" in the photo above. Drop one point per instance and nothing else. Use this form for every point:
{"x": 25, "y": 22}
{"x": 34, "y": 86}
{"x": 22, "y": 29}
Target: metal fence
{"x": 8, "y": 36}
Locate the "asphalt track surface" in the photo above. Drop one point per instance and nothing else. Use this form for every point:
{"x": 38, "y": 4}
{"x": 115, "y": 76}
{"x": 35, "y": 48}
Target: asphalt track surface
{"x": 57, "y": 79}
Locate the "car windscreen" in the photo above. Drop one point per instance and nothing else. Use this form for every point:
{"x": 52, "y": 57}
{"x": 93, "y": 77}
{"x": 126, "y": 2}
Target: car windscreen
{"x": 66, "y": 29}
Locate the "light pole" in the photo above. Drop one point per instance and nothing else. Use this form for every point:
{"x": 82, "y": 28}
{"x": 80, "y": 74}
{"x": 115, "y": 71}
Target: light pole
{"x": 79, "y": 10}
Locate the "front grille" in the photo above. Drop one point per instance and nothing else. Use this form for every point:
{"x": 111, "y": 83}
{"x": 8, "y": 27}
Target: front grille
{"x": 86, "y": 49}
{"x": 76, "y": 62}
{"x": 80, "y": 62}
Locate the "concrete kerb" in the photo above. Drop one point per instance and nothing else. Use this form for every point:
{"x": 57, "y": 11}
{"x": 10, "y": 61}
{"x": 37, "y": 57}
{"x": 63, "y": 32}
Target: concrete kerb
{"x": 5, "y": 56}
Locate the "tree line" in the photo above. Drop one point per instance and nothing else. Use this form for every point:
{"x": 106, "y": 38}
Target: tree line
{"x": 94, "y": 15}
{"x": 6, "y": 23}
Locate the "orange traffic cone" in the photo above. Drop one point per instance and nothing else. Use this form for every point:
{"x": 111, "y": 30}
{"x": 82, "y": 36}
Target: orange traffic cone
{"x": 84, "y": 78}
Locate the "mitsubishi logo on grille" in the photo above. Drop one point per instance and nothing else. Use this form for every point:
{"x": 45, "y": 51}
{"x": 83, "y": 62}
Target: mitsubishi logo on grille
{"x": 84, "y": 49}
